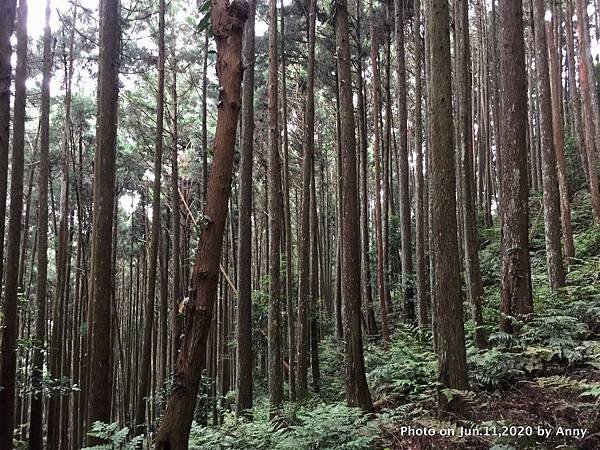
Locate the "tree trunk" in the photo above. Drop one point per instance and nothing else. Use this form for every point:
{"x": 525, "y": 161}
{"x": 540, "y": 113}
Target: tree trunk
{"x": 228, "y": 24}
{"x": 471, "y": 241}
{"x": 383, "y": 299}
{"x": 558, "y": 137}
{"x": 305, "y": 230}
{"x": 36, "y": 418}
{"x": 420, "y": 236}
{"x": 244, "y": 310}
{"x": 99, "y": 315}
{"x": 516, "y": 271}
{"x": 155, "y": 233}
{"x": 556, "y": 273}
{"x": 10, "y": 325}
{"x": 357, "y": 390}
{"x": 592, "y": 138}
{"x": 452, "y": 367}
{"x": 364, "y": 209}
{"x": 275, "y": 359}
{"x": 405, "y": 226}
{"x": 7, "y": 23}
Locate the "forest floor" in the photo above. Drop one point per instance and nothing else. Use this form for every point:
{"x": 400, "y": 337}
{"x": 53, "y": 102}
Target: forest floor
{"x": 539, "y": 389}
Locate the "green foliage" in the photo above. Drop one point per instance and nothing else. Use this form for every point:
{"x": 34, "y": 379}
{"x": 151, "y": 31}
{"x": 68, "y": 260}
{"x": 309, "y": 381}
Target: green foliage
{"x": 114, "y": 437}
{"x": 310, "y": 427}
{"x": 408, "y": 367}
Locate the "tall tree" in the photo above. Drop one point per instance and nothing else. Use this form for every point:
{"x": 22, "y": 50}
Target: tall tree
{"x": 558, "y": 138}
{"x": 36, "y": 436}
{"x": 244, "y": 310}
{"x": 587, "y": 89}
{"x": 289, "y": 280}
{"x": 465, "y": 130}
{"x": 228, "y": 20}
{"x": 516, "y": 271}
{"x": 10, "y": 323}
{"x": 420, "y": 237}
{"x": 383, "y": 299}
{"x": 155, "y": 231}
{"x": 305, "y": 230}
{"x": 275, "y": 357}
{"x": 556, "y": 273}
{"x": 357, "y": 390}
{"x": 447, "y": 301}
{"x": 403, "y": 181}
{"x": 99, "y": 395}
{"x": 7, "y": 23}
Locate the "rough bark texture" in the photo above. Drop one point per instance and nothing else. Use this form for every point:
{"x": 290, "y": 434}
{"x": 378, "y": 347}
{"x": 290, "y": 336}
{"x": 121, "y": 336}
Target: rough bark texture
{"x": 228, "y": 24}
{"x": 244, "y": 309}
{"x": 556, "y": 273}
{"x": 144, "y": 377}
{"x": 465, "y": 130}
{"x": 7, "y": 23}
{"x": 588, "y": 114}
{"x": 420, "y": 237}
{"x": 101, "y": 276}
{"x": 559, "y": 145}
{"x": 452, "y": 364}
{"x": 364, "y": 210}
{"x": 36, "y": 417}
{"x": 289, "y": 277}
{"x": 275, "y": 358}
{"x": 383, "y": 300}
{"x": 516, "y": 270}
{"x": 403, "y": 181}
{"x": 8, "y": 353}
{"x": 304, "y": 241}
{"x": 357, "y": 390}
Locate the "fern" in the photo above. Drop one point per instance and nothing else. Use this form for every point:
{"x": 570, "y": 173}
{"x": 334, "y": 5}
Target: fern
{"x": 115, "y": 438}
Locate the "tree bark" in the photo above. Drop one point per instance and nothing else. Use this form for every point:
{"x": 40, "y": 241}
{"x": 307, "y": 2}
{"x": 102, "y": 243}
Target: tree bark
{"x": 471, "y": 241}
{"x": 305, "y": 230}
{"x": 155, "y": 233}
{"x": 101, "y": 276}
{"x": 357, "y": 390}
{"x": 556, "y": 273}
{"x": 516, "y": 271}
{"x": 403, "y": 181}
{"x": 228, "y": 23}
{"x": 36, "y": 416}
{"x": 244, "y": 380}
{"x": 7, "y": 23}
{"x": 559, "y": 145}
{"x": 452, "y": 367}
{"x": 383, "y": 299}
{"x": 275, "y": 358}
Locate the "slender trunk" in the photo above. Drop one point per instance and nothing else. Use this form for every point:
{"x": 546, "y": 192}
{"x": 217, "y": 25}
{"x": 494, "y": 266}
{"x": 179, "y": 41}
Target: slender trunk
{"x": 7, "y": 23}
{"x": 99, "y": 315}
{"x": 556, "y": 273}
{"x": 516, "y": 271}
{"x": 155, "y": 233}
{"x": 10, "y": 325}
{"x": 404, "y": 191}
{"x": 452, "y": 367}
{"x": 228, "y": 24}
{"x": 471, "y": 241}
{"x": 244, "y": 310}
{"x": 36, "y": 418}
{"x": 357, "y": 390}
{"x": 383, "y": 300}
{"x": 304, "y": 309}
{"x": 587, "y": 87}
{"x": 559, "y": 148}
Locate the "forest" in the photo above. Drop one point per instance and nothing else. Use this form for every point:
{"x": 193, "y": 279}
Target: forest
{"x": 301, "y": 225}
